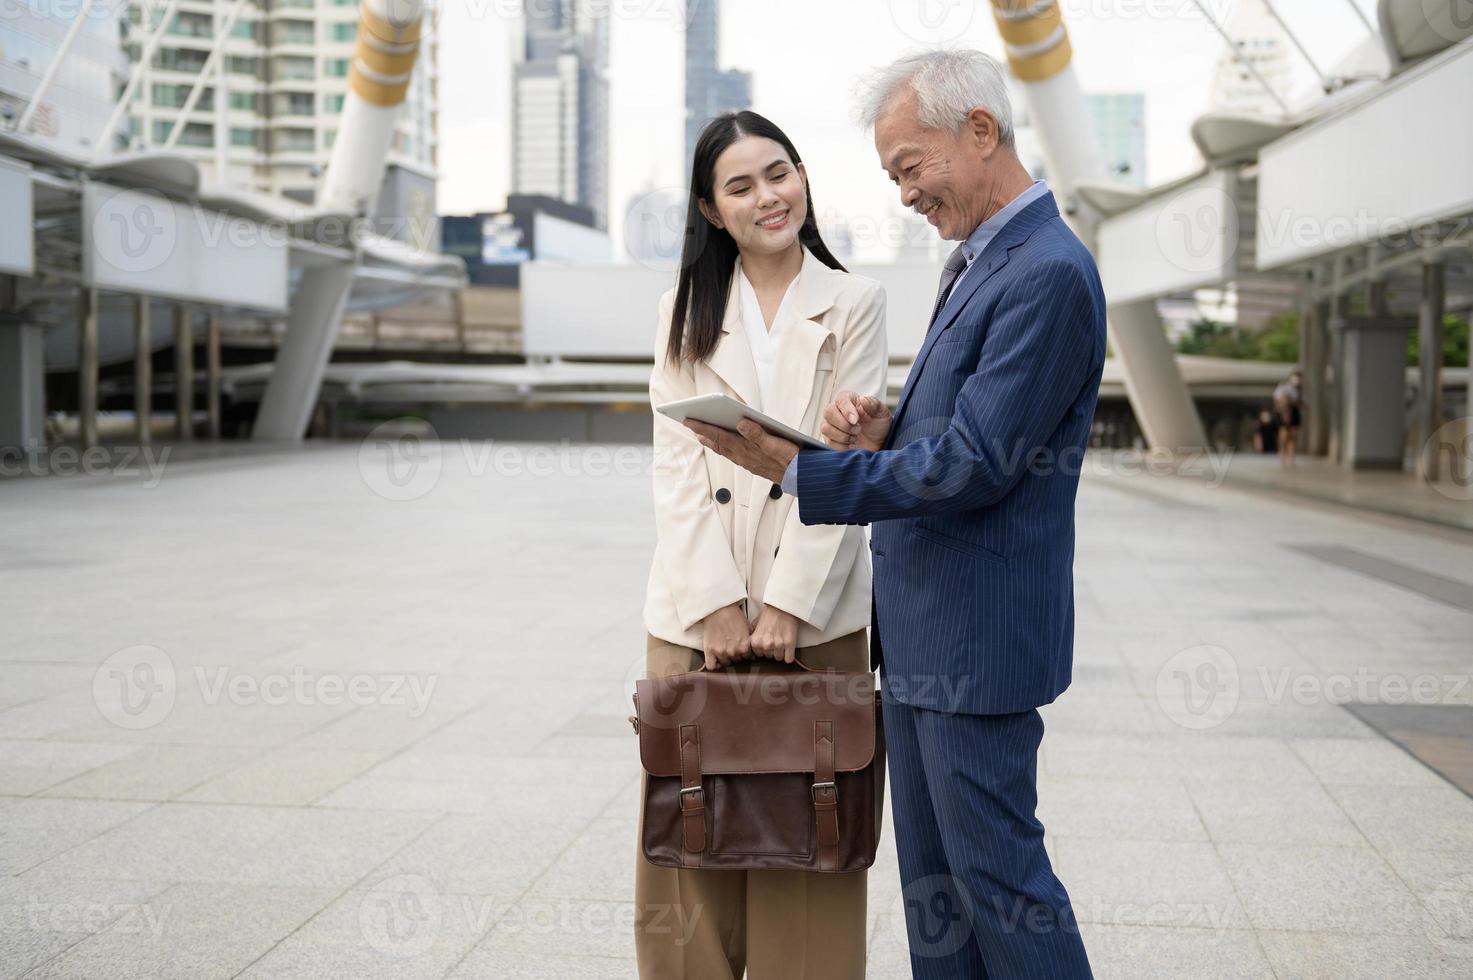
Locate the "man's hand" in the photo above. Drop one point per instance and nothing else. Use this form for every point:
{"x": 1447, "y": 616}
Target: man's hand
{"x": 726, "y": 636}
{"x": 854, "y": 421}
{"x": 750, "y": 447}
{"x": 775, "y": 634}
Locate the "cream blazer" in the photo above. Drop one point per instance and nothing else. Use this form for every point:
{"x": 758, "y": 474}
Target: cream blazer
{"x": 724, "y": 535}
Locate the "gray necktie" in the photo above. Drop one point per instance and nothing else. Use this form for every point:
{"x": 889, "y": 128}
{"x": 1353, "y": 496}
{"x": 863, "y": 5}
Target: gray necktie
{"x": 955, "y": 263}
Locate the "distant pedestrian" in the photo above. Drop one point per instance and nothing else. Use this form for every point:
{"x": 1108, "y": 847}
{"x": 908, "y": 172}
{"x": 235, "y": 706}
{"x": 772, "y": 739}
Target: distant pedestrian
{"x": 1287, "y": 403}
{"x": 1266, "y": 433}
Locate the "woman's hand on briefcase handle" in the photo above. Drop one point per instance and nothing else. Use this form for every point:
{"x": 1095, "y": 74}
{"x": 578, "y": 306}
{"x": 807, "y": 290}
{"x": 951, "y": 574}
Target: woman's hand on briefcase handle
{"x": 726, "y": 636}
{"x": 775, "y": 634}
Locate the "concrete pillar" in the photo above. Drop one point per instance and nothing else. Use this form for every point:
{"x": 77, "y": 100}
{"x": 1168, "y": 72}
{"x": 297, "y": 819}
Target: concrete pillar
{"x": 87, "y": 366}
{"x": 1302, "y": 332}
{"x": 1336, "y": 356}
{"x": 1429, "y": 401}
{"x": 457, "y": 307}
{"x": 212, "y": 373}
{"x": 143, "y": 369}
{"x": 183, "y": 371}
{"x": 1374, "y": 389}
{"x": 1380, "y": 299}
{"x": 22, "y": 378}
{"x": 1314, "y": 361}
{"x": 1317, "y": 377}
{"x": 301, "y": 361}
{"x": 1153, "y": 381}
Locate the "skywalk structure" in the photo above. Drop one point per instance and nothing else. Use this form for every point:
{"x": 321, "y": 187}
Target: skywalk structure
{"x": 1356, "y": 210}
{"x": 101, "y": 236}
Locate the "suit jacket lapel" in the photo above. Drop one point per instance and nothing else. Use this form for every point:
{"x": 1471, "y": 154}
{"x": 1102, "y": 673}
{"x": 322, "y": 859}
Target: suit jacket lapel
{"x": 993, "y": 258}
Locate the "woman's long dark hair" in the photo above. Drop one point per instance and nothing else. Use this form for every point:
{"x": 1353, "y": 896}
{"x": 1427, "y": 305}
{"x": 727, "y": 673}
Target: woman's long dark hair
{"x": 709, "y": 254}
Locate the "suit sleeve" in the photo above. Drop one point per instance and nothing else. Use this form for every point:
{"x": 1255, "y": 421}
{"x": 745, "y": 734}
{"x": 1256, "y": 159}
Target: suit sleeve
{"x": 1042, "y": 346}
{"x": 692, "y": 546}
{"x": 813, "y": 563}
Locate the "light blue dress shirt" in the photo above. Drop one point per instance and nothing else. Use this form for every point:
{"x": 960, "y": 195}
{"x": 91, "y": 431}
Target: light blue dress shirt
{"x": 974, "y": 246}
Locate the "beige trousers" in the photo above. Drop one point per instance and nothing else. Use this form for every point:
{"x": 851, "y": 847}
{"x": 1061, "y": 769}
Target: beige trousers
{"x": 697, "y": 924}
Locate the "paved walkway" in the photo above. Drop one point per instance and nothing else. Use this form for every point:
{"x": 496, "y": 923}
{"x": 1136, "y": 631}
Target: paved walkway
{"x": 1449, "y": 501}
{"x": 301, "y": 715}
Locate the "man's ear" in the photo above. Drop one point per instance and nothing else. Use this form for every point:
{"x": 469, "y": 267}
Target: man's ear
{"x": 710, "y": 213}
{"x": 981, "y": 128}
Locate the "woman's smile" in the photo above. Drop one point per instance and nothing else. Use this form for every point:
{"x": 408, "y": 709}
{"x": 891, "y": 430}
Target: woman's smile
{"x": 774, "y": 222}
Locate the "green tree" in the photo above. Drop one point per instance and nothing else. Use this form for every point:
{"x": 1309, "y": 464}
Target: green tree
{"x": 1278, "y": 342}
{"x": 1454, "y": 343}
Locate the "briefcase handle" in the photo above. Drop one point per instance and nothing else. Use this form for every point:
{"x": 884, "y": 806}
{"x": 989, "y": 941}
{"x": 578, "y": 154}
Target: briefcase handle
{"x": 796, "y": 663}
{"x": 634, "y": 719}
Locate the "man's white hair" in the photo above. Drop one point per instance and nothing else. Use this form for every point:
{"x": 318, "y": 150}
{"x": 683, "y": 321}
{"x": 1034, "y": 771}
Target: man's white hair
{"x": 948, "y": 83}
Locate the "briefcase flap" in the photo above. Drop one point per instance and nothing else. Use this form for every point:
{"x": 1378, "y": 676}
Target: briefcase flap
{"x": 755, "y": 722}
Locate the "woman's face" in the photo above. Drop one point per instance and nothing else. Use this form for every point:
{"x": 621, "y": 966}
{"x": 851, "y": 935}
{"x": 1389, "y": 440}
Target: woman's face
{"x": 759, "y": 195}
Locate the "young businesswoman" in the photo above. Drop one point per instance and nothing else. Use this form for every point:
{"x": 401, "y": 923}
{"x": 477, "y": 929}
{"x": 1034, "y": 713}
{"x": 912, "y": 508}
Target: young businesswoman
{"x": 765, "y": 313}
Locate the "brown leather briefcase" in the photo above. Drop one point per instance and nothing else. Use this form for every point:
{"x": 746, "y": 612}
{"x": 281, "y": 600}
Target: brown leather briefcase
{"x": 761, "y": 771}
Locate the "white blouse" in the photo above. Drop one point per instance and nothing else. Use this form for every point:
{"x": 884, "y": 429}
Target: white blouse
{"x": 764, "y": 342}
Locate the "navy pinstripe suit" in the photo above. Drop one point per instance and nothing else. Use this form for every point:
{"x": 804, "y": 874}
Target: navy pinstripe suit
{"x": 972, "y": 502}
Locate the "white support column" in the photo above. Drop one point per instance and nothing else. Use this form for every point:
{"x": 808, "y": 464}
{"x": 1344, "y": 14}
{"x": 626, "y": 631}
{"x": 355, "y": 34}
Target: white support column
{"x": 1153, "y": 382}
{"x": 296, "y": 376}
{"x": 383, "y": 65}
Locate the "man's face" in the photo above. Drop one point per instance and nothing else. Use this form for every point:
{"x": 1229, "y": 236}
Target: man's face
{"x": 943, "y": 176}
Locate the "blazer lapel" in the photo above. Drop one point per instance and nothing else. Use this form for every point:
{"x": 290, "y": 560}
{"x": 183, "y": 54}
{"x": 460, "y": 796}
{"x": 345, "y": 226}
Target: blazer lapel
{"x": 801, "y": 337}
{"x": 801, "y": 340}
{"x": 732, "y": 357}
{"x": 985, "y": 266}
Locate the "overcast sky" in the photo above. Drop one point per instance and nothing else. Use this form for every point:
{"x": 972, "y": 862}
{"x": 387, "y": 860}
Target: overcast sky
{"x": 805, "y": 56}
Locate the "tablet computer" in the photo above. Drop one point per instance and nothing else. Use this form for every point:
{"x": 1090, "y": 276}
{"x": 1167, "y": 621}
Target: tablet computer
{"x": 725, "y": 411}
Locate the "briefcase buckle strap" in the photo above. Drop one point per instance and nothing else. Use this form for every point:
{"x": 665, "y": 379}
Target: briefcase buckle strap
{"x": 692, "y": 796}
{"x": 825, "y": 794}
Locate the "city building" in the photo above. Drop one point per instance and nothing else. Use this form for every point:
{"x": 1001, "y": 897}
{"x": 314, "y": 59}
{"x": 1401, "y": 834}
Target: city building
{"x": 709, "y": 90}
{"x": 268, "y": 122}
{"x": 560, "y": 106}
{"x": 1120, "y": 125}
{"x": 533, "y": 226}
{"x": 74, "y": 109}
